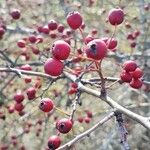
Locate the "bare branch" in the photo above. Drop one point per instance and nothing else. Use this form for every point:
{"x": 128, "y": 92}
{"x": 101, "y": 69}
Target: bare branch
{"x": 86, "y": 133}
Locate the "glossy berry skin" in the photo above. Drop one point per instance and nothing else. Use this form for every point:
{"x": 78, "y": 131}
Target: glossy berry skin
{"x": 52, "y": 25}
{"x": 61, "y": 50}
{"x": 15, "y": 14}
{"x": 54, "y": 142}
{"x": 125, "y": 76}
{"x": 74, "y": 20}
{"x": 31, "y": 93}
{"x": 53, "y": 67}
{"x": 138, "y": 73}
{"x": 129, "y": 66}
{"x": 19, "y": 97}
{"x": 19, "y": 107}
{"x": 21, "y": 43}
{"x": 88, "y": 39}
{"x": 116, "y": 16}
{"x": 46, "y": 105}
{"x": 96, "y": 49}
{"x": 64, "y": 125}
{"x": 136, "y": 83}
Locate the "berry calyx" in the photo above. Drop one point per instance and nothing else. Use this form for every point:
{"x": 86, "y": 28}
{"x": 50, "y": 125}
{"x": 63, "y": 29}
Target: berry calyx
{"x": 61, "y": 50}
{"x": 129, "y": 66}
{"x": 46, "y": 105}
{"x": 53, "y": 67}
{"x": 74, "y": 20}
{"x": 96, "y": 49}
{"x": 54, "y": 142}
{"x": 116, "y": 16}
{"x": 64, "y": 125}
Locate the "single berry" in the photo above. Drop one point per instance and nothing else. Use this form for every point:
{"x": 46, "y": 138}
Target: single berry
{"x": 54, "y": 142}
{"x": 19, "y": 107}
{"x": 89, "y": 113}
{"x": 74, "y": 20}
{"x": 80, "y": 119}
{"x": 31, "y": 93}
{"x": 129, "y": 66}
{"x": 32, "y": 38}
{"x": 21, "y": 43}
{"x": 52, "y": 25}
{"x": 46, "y": 105}
{"x": 96, "y": 49}
{"x": 45, "y": 30}
{"x": 53, "y": 67}
{"x": 60, "y": 28}
{"x": 35, "y": 50}
{"x": 61, "y": 50}
{"x": 116, "y": 16}
{"x": 26, "y": 67}
{"x": 125, "y": 76}
{"x": 88, "y": 39}
{"x": 19, "y": 97}
{"x": 15, "y": 14}
{"x": 74, "y": 85}
{"x": 27, "y": 79}
{"x": 138, "y": 73}
{"x": 2, "y": 31}
{"x": 87, "y": 120}
{"x": 136, "y": 83}
{"x": 112, "y": 43}
{"x": 64, "y": 125}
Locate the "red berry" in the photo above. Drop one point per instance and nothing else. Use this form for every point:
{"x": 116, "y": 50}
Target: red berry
{"x": 88, "y": 39}
{"x": 89, "y": 113}
{"x": 60, "y": 28}
{"x": 19, "y": 107}
{"x": 116, "y": 16}
{"x": 53, "y": 67}
{"x": 87, "y": 120}
{"x": 80, "y": 119}
{"x": 2, "y": 31}
{"x": 21, "y": 43}
{"x": 19, "y": 97}
{"x": 96, "y": 49}
{"x": 35, "y": 50}
{"x": 72, "y": 91}
{"x": 15, "y": 14}
{"x": 11, "y": 109}
{"x": 136, "y": 83}
{"x": 46, "y": 105}
{"x": 52, "y": 25}
{"x": 64, "y": 125}
{"x": 125, "y": 76}
{"x": 26, "y": 67}
{"x": 45, "y": 30}
{"x": 129, "y": 66}
{"x": 27, "y": 79}
{"x": 138, "y": 73}
{"x": 74, "y": 85}
{"x": 31, "y": 93}
{"x": 74, "y": 20}
{"x": 54, "y": 142}
{"x": 112, "y": 43}
{"x": 32, "y": 38}
{"x": 61, "y": 50}
{"x": 133, "y": 44}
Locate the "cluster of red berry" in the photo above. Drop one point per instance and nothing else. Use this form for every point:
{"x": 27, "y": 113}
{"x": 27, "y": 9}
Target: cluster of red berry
{"x": 132, "y": 74}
